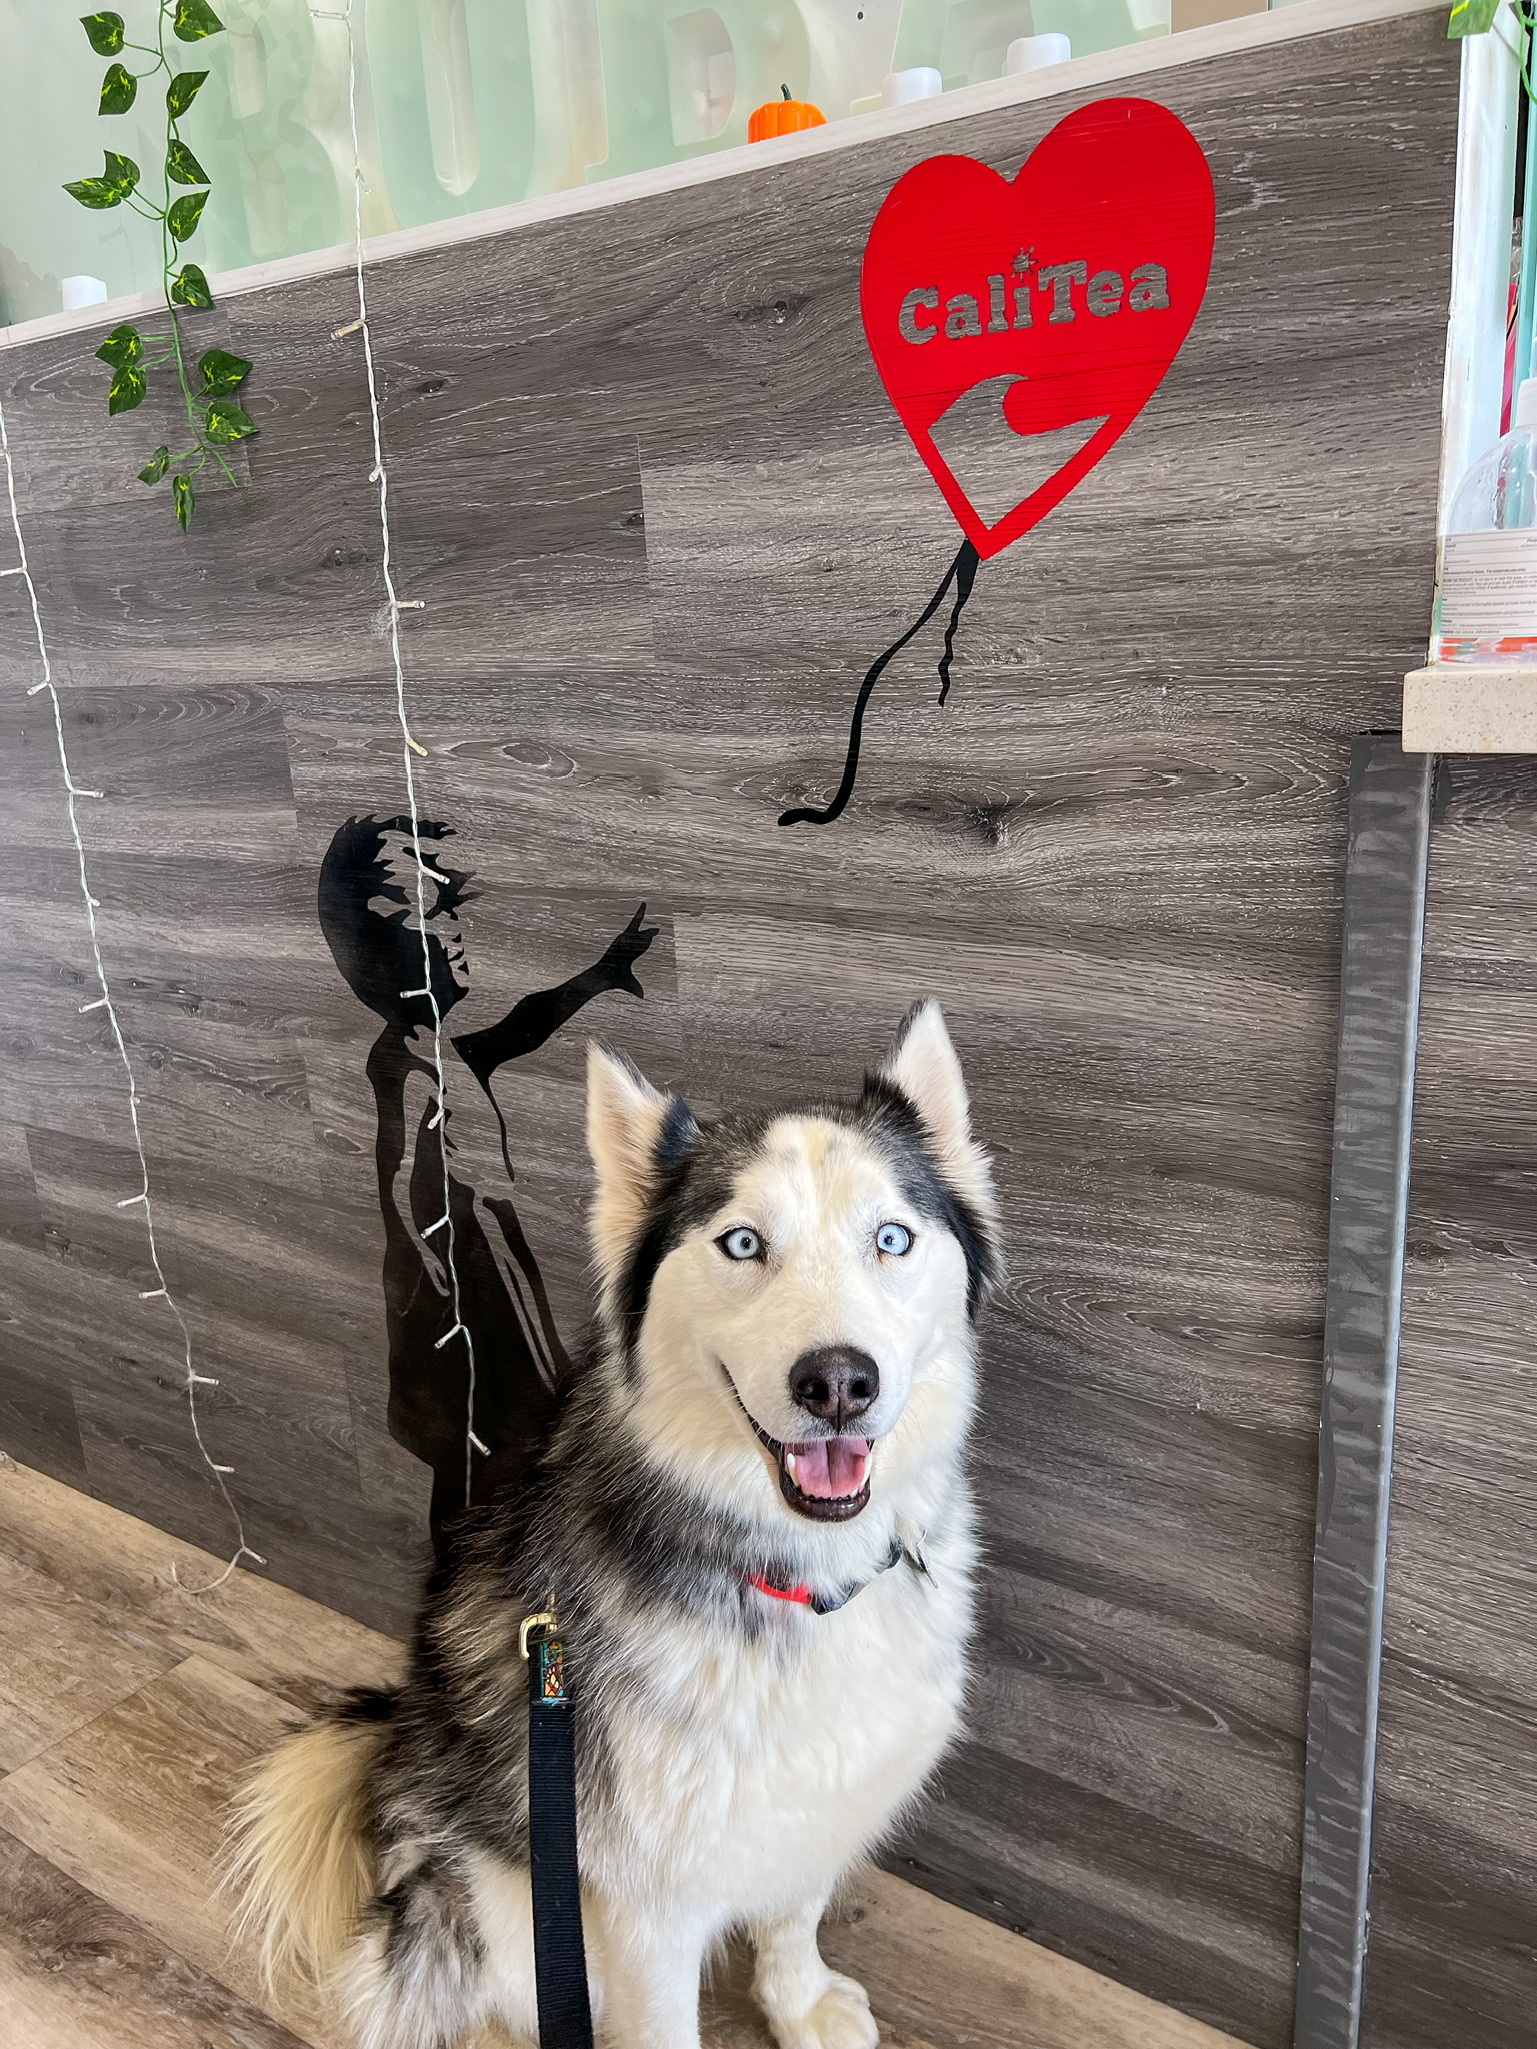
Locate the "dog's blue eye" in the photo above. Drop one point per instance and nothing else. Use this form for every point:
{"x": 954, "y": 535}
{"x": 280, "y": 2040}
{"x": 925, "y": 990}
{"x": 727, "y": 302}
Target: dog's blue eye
{"x": 894, "y": 1239}
{"x": 741, "y": 1244}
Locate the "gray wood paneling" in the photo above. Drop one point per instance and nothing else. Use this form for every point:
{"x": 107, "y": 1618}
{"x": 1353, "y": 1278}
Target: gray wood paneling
{"x": 661, "y": 517}
{"x": 1453, "y": 1954}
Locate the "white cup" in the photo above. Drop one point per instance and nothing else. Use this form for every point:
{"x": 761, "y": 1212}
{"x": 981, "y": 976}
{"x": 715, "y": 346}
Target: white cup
{"x": 83, "y": 291}
{"x": 1034, "y": 53}
{"x": 923, "y": 82}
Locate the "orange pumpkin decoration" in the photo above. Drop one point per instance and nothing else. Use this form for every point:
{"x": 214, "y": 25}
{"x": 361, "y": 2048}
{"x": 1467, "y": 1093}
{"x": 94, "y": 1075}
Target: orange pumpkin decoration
{"x": 783, "y": 117}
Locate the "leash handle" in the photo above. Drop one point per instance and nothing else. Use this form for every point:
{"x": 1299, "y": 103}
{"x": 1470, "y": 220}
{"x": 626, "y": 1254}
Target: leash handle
{"x": 560, "y": 1957}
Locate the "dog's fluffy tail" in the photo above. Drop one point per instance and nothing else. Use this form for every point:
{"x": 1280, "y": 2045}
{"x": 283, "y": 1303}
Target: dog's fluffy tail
{"x": 298, "y": 1857}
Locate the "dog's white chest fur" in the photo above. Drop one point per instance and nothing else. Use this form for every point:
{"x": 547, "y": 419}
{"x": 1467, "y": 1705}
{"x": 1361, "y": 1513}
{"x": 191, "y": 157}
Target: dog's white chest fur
{"x": 747, "y": 1770}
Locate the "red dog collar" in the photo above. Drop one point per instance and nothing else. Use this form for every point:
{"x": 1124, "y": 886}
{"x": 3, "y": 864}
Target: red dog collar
{"x": 766, "y": 1586}
{"x": 829, "y": 1604}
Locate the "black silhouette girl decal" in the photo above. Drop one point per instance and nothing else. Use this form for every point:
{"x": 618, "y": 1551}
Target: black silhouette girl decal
{"x": 369, "y": 915}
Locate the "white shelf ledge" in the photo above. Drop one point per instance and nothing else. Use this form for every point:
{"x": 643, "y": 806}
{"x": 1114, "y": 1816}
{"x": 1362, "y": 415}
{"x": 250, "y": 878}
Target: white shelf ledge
{"x": 1450, "y": 709}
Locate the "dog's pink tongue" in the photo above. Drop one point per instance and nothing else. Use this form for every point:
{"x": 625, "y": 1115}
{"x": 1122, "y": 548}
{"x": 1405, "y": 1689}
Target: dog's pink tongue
{"x": 829, "y": 1467}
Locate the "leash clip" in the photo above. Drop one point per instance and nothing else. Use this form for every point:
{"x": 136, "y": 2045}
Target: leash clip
{"x": 545, "y": 1620}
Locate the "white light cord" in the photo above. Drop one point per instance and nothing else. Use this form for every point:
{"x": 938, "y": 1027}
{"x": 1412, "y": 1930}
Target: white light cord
{"x": 73, "y": 790}
{"x": 379, "y": 475}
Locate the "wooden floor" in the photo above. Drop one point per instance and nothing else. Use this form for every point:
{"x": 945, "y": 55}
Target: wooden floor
{"x": 129, "y": 1709}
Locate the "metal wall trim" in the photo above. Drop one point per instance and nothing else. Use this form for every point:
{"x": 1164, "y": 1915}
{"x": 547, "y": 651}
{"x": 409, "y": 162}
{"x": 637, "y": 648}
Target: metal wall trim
{"x": 1390, "y": 815}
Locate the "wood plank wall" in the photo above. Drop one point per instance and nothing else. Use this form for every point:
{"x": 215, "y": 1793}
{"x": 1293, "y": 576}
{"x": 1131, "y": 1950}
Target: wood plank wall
{"x": 1453, "y": 1954}
{"x": 661, "y": 517}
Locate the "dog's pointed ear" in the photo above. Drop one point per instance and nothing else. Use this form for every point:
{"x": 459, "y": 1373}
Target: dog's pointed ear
{"x": 633, "y": 1131}
{"x": 923, "y": 1065}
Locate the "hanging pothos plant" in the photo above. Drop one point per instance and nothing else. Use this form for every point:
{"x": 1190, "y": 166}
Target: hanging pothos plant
{"x": 1476, "y": 18}
{"x": 215, "y": 417}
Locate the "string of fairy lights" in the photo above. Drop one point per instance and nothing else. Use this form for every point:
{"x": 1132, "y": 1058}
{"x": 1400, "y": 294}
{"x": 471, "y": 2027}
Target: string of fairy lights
{"x": 410, "y": 749}
{"x": 143, "y": 1197}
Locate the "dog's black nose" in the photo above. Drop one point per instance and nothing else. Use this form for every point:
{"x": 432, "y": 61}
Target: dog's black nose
{"x": 835, "y": 1383}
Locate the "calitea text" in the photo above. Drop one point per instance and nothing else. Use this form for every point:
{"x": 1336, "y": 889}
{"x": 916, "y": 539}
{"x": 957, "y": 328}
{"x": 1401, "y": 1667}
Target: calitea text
{"x": 1014, "y": 306}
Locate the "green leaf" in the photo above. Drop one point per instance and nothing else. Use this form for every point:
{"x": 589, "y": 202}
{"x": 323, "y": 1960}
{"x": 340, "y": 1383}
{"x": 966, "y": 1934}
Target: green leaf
{"x": 112, "y": 188}
{"x": 182, "y": 166}
{"x": 127, "y": 391}
{"x": 122, "y": 348}
{"x": 182, "y": 91}
{"x": 157, "y": 466}
{"x": 184, "y": 499}
{"x": 96, "y": 193}
{"x": 190, "y": 288}
{"x": 118, "y": 90}
{"x": 193, "y": 20}
{"x": 1471, "y": 18}
{"x": 228, "y": 421}
{"x": 104, "y": 33}
{"x": 184, "y": 214}
{"x": 222, "y": 372}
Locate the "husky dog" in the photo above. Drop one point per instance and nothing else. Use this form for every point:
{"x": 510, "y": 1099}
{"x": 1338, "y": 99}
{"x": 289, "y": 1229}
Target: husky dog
{"x": 753, "y": 1520}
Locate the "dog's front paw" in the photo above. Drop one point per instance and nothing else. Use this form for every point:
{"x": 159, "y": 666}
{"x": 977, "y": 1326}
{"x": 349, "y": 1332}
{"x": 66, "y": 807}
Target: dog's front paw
{"x": 841, "y": 2019}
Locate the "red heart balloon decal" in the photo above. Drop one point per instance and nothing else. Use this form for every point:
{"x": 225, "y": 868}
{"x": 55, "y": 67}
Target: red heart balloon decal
{"x": 1020, "y": 327}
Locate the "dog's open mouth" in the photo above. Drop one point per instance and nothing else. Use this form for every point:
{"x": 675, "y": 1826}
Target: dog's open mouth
{"x": 828, "y": 1478}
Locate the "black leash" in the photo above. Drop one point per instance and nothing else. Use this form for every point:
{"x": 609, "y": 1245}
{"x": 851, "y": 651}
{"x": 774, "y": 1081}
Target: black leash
{"x": 560, "y": 1959}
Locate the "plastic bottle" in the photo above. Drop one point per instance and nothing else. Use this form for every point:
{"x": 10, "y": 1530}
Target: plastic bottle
{"x": 1486, "y": 589}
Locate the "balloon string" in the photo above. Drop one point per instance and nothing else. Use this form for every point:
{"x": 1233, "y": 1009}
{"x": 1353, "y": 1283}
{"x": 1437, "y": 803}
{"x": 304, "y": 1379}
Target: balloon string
{"x": 962, "y": 573}
{"x": 965, "y": 577}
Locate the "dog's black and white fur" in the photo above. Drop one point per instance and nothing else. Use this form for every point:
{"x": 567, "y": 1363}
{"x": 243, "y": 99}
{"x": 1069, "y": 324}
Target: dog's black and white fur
{"x": 780, "y": 1391}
